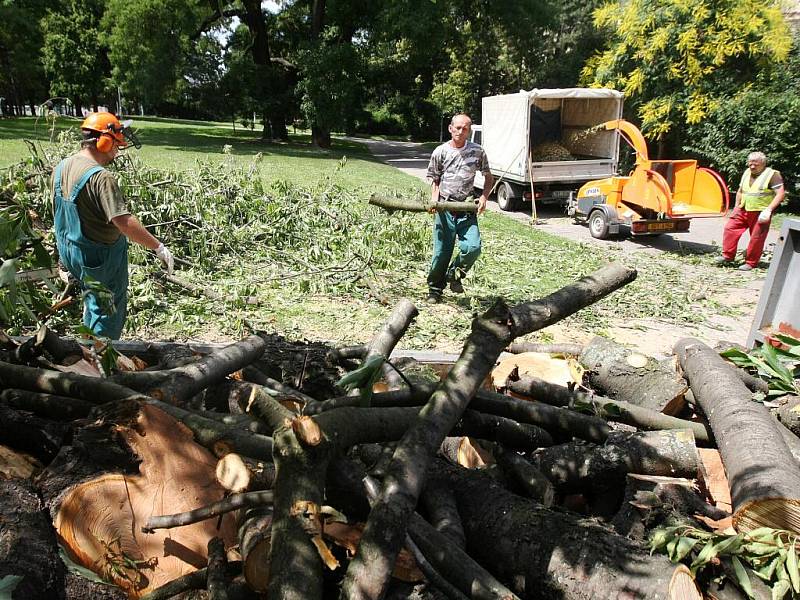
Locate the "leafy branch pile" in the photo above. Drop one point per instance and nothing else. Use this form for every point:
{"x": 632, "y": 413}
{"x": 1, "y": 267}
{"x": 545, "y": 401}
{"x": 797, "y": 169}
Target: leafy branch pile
{"x": 218, "y": 219}
{"x": 778, "y": 366}
{"x": 769, "y": 554}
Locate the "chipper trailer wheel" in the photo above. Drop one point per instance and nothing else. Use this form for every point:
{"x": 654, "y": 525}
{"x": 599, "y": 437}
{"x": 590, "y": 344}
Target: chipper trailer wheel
{"x": 598, "y": 224}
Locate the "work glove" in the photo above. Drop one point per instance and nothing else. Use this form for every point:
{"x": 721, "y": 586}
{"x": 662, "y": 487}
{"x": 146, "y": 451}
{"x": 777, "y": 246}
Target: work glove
{"x": 166, "y": 257}
{"x": 765, "y": 215}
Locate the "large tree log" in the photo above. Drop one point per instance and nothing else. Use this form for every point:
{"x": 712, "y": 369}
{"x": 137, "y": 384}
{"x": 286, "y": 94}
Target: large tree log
{"x": 763, "y": 476}
{"x": 130, "y": 462}
{"x": 178, "y": 384}
{"x": 632, "y": 377}
{"x": 611, "y": 410}
{"x": 370, "y": 569}
{"x": 421, "y": 205}
{"x": 28, "y": 544}
{"x": 544, "y": 554}
{"x": 579, "y": 466}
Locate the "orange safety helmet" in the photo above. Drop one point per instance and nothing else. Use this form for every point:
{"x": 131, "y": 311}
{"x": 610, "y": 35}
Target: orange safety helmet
{"x": 109, "y": 129}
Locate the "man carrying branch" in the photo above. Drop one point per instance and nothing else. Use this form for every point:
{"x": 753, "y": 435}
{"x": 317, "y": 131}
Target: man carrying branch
{"x": 93, "y": 223}
{"x": 452, "y": 171}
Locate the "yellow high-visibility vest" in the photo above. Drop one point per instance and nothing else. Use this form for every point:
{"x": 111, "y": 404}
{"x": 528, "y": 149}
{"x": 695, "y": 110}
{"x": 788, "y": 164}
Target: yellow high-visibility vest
{"x": 757, "y": 195}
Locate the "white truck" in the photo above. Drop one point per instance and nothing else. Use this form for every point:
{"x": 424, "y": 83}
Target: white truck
{"x": 541, "y": 144}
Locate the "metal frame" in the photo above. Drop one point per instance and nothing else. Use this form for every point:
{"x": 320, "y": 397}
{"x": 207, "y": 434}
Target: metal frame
{"x": 779, "y": 303}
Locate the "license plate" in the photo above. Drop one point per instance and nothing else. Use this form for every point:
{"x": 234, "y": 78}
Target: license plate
{"x": 666, "y": 226}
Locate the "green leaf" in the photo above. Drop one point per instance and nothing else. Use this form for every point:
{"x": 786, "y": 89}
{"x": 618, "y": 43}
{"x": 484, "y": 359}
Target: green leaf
{"x": 7, "y": 586}
{"x": 685, "y": 545}
{"x": 361, "y": 376}
{"x": 8, "y": 277}
{"x": 791, "y": 564}
{"x": 771, "y": 356}
{"x": 742, "y": 577}
{"x": 612, "y": 410}
{"x": 703, "y": 558}
{"x": 780, "y": 589}
{"x": 74, "y": 567}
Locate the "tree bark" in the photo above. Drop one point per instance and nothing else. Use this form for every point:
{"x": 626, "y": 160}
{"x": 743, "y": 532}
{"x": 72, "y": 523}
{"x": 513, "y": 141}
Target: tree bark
{"x": 544, "y": 554}
{"x": 606, "y": 408}
{"x": 579, "y": 466}
{"x": 528, "y": 479}
{"x": 229, "y": 504}
{"x": 763, "y": 476}
{"x": 29, "y": 433}
{"x": 370, "y": 569}
{"x": 179, "y": 384}
{"x": 421, "y": 205}
{"x": 654, "y": 385}
{"x": 60, "y": 408}
{"x": 28, "y": 544}
{"x": 567, "y": 349}
{"x": 216, "y": 583}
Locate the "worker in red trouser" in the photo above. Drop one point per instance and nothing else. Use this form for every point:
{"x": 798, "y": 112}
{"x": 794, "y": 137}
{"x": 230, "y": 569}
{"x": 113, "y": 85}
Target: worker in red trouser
{"x": 759, "y": 194}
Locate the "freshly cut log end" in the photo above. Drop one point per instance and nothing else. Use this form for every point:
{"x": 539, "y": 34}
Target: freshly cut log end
{"x": 99, "y": 520}
{"x": 233, "y": 474}
{"x": 778, "y": 513}
{"x": 682, "y": 585}
{"x": 255, "y": 546}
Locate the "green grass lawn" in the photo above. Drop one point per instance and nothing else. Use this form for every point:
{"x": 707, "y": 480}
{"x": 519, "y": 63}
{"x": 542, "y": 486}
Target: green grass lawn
{"x": 179, "y": 144}
{"x": 519, "y": 263}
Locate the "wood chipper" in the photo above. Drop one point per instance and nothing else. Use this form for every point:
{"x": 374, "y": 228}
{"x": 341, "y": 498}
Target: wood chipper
{"x": 659, "y": 196}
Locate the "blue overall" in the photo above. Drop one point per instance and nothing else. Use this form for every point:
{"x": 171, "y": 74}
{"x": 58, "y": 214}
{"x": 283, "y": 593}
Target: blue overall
{"x": 106, "y": 263}
{"x": 447, "y": 227}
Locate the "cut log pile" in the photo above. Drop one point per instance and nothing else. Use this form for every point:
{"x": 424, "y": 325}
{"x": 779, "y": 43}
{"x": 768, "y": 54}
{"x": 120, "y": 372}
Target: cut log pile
{"x": 247, "y": 472}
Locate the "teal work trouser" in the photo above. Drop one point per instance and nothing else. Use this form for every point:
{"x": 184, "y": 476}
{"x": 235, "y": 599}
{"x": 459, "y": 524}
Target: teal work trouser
{"x": 447, "y": 227}
{"x": 90, "y": 261}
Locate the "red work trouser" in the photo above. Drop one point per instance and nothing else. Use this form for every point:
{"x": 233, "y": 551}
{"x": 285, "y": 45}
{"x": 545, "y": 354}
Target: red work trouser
{"x": 744, "y": 220}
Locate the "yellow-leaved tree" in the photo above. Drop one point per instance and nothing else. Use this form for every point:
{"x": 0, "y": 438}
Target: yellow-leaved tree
{"x": 676, "y": 59}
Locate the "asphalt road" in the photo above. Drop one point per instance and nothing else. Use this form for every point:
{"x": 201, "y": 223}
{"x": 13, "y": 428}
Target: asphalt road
{"x": 705, "y": 235}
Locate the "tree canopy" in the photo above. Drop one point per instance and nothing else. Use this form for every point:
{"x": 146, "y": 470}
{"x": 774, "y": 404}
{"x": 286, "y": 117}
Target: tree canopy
{"x": 675, "y": 59}
{"x": 386, "y": 66}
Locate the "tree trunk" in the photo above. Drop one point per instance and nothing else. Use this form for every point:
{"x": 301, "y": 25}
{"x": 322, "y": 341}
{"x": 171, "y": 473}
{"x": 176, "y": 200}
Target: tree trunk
{"x": 370, "y": 569}
{"x": 764, "y": 478}
{"x": 544, "y": 554}
{"x": 114, "y": 476}
{"x": 614, "y": 370}
{"x": 60, "y": 408}
{"x": 24, "y": 431}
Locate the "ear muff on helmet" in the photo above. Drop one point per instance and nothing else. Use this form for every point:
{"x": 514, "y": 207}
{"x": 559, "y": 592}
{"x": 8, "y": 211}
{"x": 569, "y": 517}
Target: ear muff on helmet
{"x": 105, "y": 142}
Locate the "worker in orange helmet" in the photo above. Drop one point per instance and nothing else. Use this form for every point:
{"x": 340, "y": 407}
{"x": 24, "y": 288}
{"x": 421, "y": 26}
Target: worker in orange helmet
{"x": 93, "y": 223}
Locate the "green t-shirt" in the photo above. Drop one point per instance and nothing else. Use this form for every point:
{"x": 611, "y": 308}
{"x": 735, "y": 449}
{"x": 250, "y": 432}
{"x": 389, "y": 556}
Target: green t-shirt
{"x": 98, "y": 202}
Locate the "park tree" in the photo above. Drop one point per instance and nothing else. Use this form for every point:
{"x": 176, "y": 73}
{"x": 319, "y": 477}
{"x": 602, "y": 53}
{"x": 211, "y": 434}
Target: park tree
{"x": 148, "y": 40}
{"x": 675, "y": 59}
{"x": 22, "y": 78}
{"x": 74, "y": 57}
